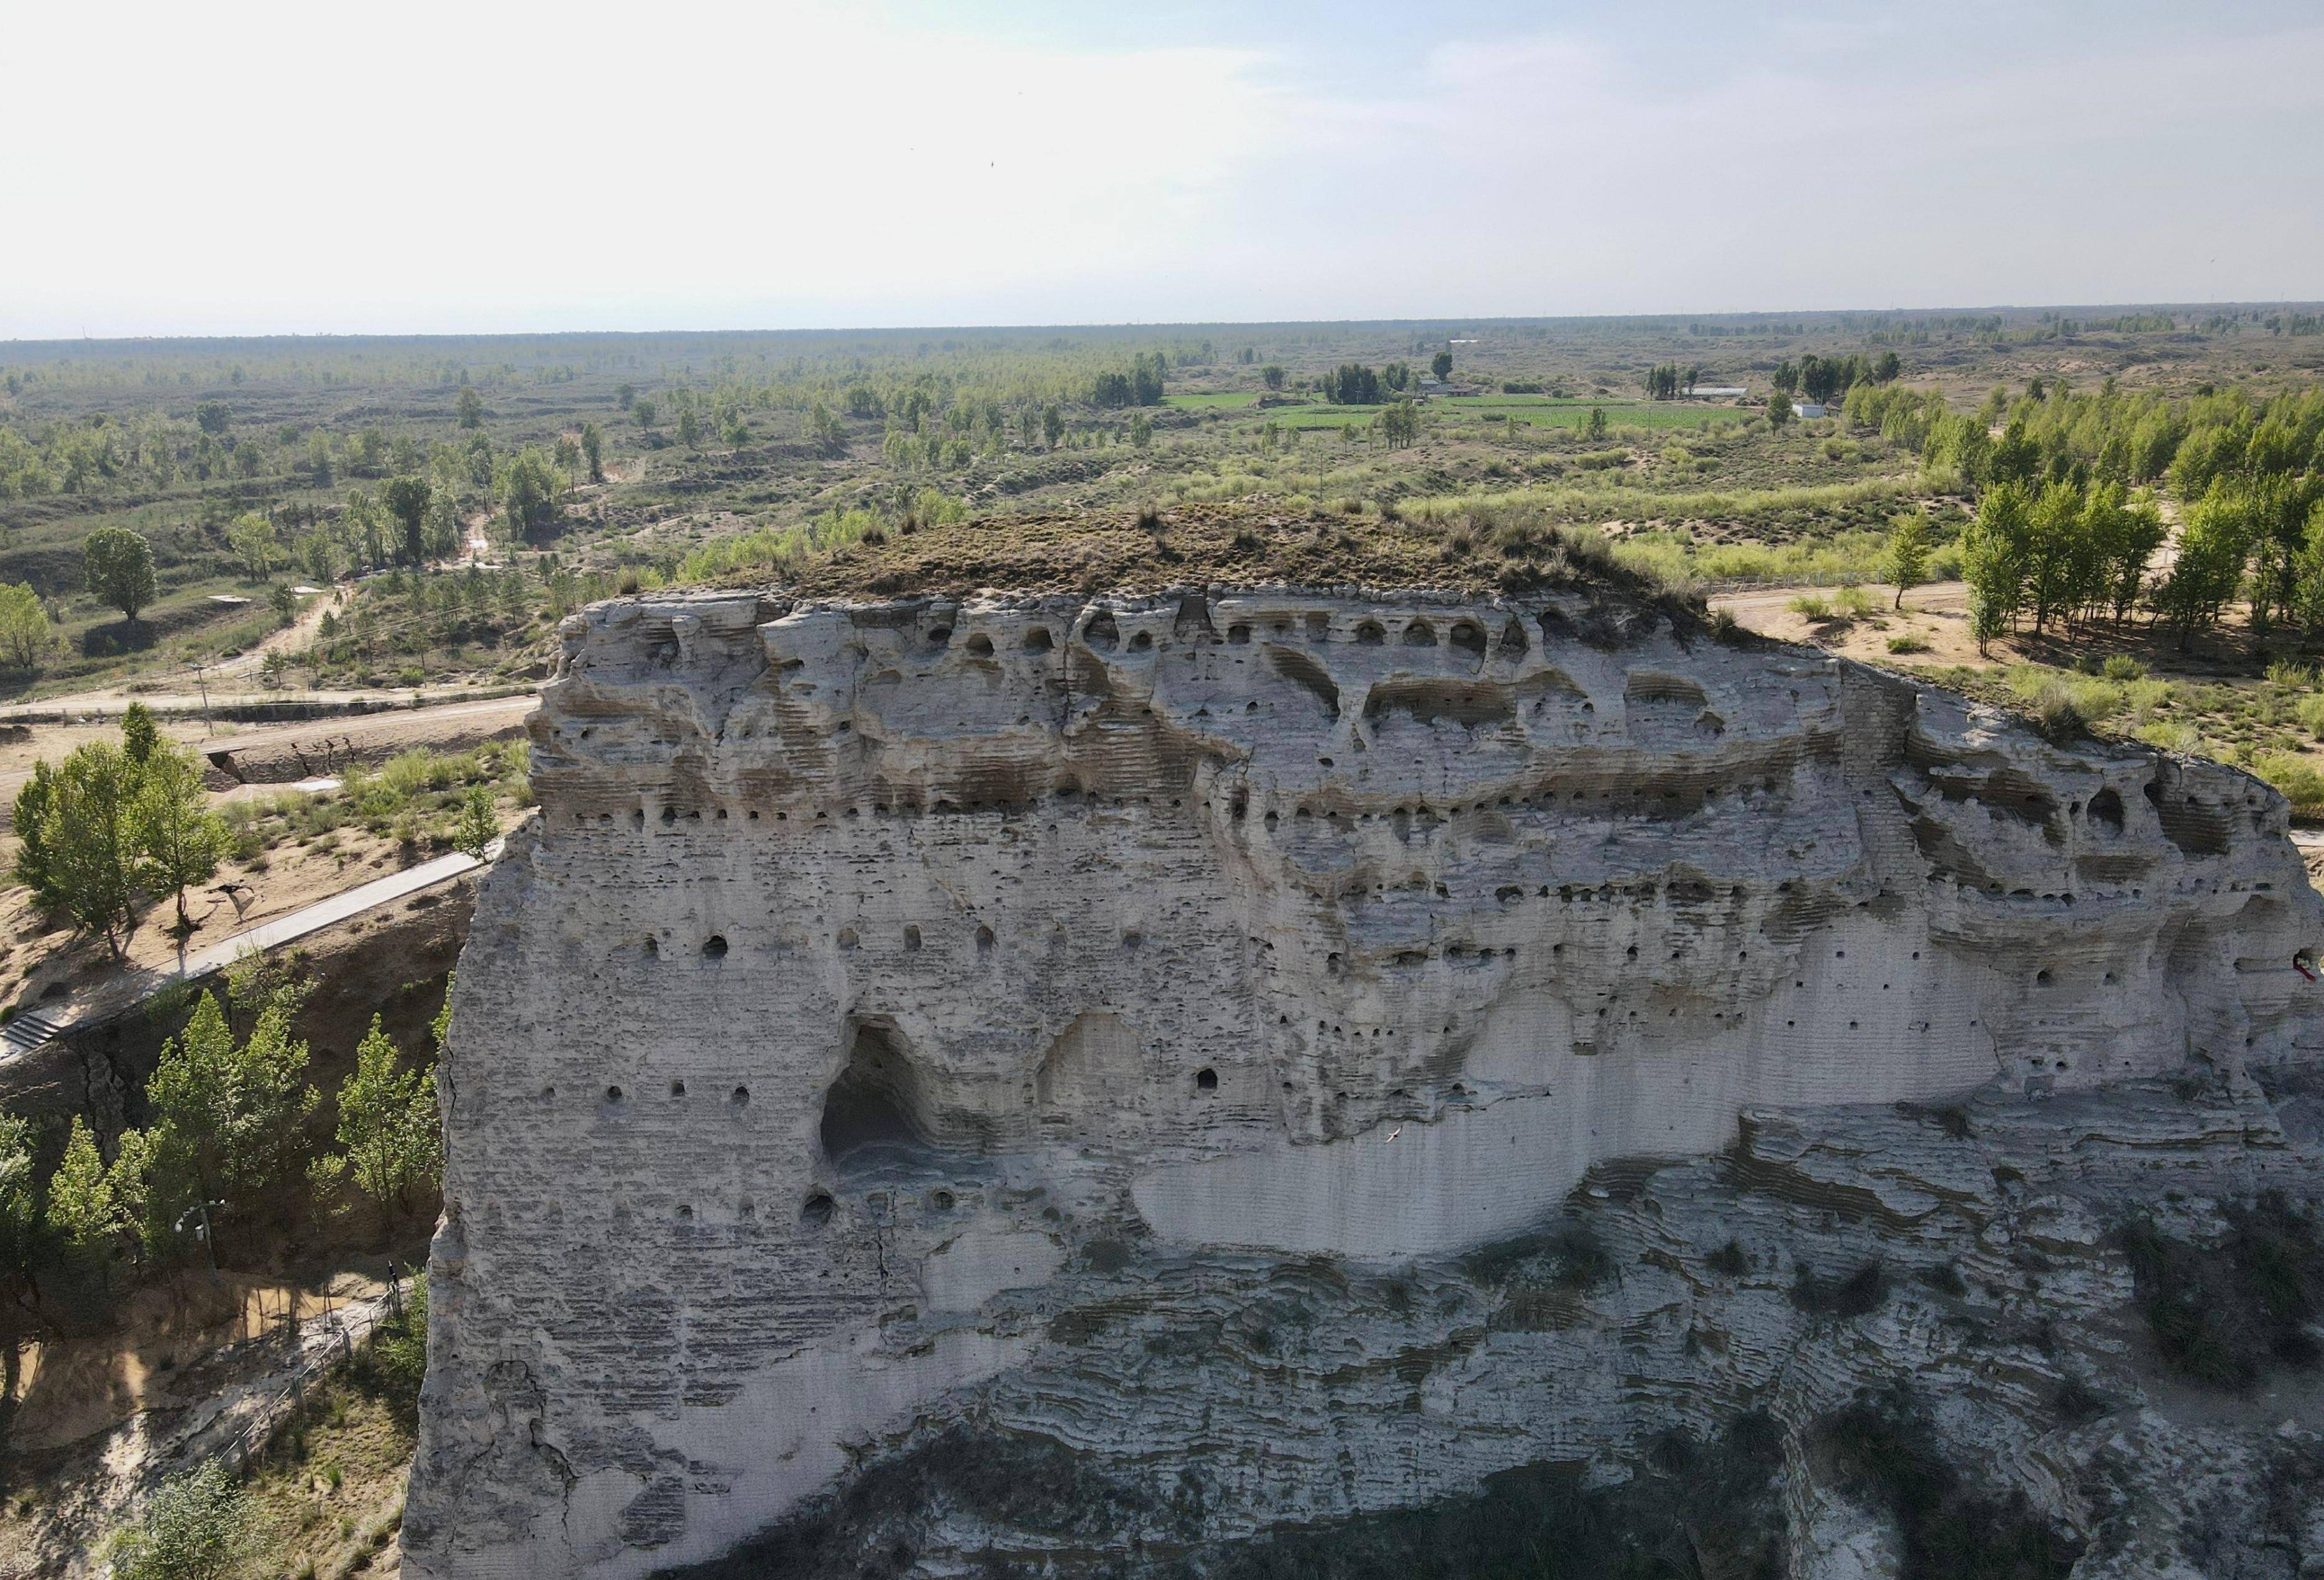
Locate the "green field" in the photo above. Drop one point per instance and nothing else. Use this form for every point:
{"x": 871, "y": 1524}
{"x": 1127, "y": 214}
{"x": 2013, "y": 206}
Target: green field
{"x": 1213, "y": 401}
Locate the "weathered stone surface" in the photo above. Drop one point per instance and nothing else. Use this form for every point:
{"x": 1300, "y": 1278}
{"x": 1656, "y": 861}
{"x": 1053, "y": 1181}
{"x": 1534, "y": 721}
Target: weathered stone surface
{"x": 1302, "y": 1056}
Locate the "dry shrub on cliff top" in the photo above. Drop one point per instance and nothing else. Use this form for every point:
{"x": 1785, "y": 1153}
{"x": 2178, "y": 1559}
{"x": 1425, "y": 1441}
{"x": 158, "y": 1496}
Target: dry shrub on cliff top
{"x": 1123, "y": 552}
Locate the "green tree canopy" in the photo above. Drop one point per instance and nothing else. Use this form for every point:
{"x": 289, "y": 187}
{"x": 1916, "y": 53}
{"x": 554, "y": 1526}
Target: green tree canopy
{"x": 117, "y": 567}
{"x": 180, "y": 839}
{"x": 82, "y": 1214}
{"x": 1906, "y": 562}
{"x": 1993, "y": 552}
{"x": 26, "y": 636}
{"x": 227, "y": 1115}
{"x": 251, "y": 538}
{"x": 388, "y": 1122}
{"x": 201, "y": 1526}
{"x": 2215, "y": 542}
{"x": 407, "y": 500}
{"x": 82, "y": 853}
{"x": 527, "y": 487}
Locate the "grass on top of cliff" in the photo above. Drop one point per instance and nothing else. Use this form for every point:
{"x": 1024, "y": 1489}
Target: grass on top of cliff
{"x": 1487, "y": 550}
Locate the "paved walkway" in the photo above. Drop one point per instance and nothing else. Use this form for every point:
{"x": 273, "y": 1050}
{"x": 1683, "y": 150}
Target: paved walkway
{"x": 35, "y": 1028}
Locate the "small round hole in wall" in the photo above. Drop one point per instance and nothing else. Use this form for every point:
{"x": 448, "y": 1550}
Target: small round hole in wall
{"x": 911, "y": 937}
{"x": 684, "y": 1213}
{"x": 741, "y": 1098}
{"x": 981, "y": 645}
{"x": 1038, "y": 640}
{"x": 714, "y": 947}
{"x": 613, "y": 1094}
{"x": 941, "y": 1201}
{"x": 816, "y": 1210}
{"x": 677, "y": 1089}
{"x": 1206, "y": 1080}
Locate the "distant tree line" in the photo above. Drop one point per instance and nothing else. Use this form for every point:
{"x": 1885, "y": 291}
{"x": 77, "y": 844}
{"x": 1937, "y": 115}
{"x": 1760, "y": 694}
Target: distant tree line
{"x": 1827, "y": 379}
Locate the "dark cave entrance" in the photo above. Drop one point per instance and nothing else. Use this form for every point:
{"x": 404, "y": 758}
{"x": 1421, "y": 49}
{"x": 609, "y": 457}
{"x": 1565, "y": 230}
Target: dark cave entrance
{"x": 874, "y": 1114}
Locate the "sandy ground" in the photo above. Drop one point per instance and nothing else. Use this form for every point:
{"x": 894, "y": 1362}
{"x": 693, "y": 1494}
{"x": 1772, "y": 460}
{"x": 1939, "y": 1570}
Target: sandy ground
{"x": 1938, "y": 615}
{"x": 37, "y": 960}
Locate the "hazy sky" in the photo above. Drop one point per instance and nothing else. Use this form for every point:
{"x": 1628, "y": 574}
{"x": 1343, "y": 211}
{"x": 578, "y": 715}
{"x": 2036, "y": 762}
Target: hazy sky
{"x": 244, "y": 168}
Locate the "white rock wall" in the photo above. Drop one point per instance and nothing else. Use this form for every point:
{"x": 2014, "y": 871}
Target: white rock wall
{"x": 1115, "y": 943}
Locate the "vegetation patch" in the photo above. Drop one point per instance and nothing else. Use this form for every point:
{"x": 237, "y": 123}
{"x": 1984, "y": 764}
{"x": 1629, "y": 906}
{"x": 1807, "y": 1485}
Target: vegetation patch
{"x": 2223, "y": 1314}
{"x": 1886, "y": 1450}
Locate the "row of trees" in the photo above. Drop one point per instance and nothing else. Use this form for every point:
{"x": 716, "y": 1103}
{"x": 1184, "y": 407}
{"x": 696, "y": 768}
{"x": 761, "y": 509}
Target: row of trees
{"x": 2111, "y": 437}
{"x": 227, "y": 1134}
{"x": 2058, "y": 538}
{"x": 1667, "y": 381}
{"x": 1826, "y": 379}
{"x": 114, "y": 825}
{"x": 2070, "y": 553}
{"x": 1141, "y": 386}
{"x": 1351, "y": 383}
{"x": 2064, "y": 553}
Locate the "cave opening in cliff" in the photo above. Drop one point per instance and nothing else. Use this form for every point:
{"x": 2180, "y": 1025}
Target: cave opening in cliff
{"x": 872, "y": 1113}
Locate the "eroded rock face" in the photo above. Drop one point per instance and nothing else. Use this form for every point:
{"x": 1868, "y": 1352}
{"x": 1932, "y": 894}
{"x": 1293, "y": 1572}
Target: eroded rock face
{"x": 1297, "y": 1058}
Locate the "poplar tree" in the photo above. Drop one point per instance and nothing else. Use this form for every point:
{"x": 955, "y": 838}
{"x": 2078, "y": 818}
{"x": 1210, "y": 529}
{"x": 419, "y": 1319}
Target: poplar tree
{"x": 1908, "y": 554}
{"x": 388, "y": 1122}
{"x": 1993, "y": 563}
{"x": 227, "y": 1115}
{"x": 82, "y": 1213}
{"x": 181, "y": 839}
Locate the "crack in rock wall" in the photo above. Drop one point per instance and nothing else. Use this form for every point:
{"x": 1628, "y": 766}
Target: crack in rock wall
{"x": 890, "y": 1000}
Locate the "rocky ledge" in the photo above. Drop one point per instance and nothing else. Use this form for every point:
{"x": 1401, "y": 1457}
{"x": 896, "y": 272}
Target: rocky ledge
{"x": 1135, "y": 1084}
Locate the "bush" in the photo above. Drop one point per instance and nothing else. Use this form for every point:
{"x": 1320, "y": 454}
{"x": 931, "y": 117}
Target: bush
{"x": 197, "y": 1528}
{"x": 1812, "y": 607}
{"x": 2298, "y": 778}
{"x": 1884, "y": 1446}
{"x": 2059, "y": 716}
{"x": 2122, "y": 667}
{"x": 2221, "y": 1315}
{"x": 2290, "y": 672}
{"x": 1854, "y": 603}
{"x": 1908, "y": 645}
{"x": 1860, "y": 1294}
